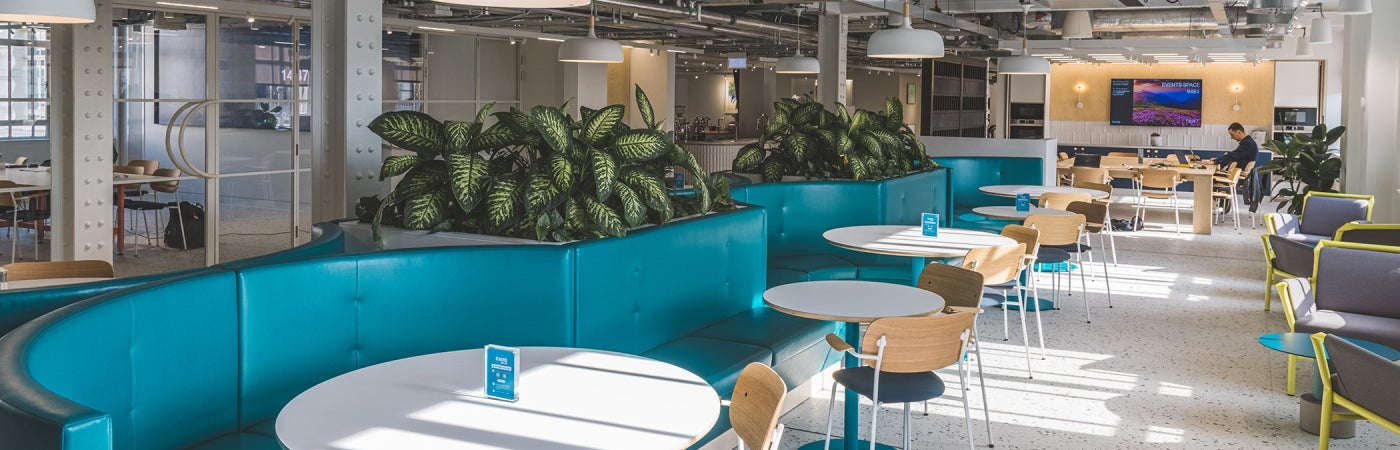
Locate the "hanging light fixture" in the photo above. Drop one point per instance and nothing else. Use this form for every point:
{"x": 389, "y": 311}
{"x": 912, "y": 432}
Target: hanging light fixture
{"x": 48, "y": 11}
{"x": 905, "y": 42}
{"x": 1321, "y": 30}
{"x": 1349, "y": 7}
{"x": 1078, "y": 25}
{"x": 798, "y": 63}
{"x": 1304, "y": 47}
{"x": 590, "y": 49}
{"x": 520, "y": 4}
{"x": 1025, "y": 63}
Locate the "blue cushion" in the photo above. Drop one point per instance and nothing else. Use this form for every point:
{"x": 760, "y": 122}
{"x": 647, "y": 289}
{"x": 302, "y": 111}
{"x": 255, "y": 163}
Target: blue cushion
{"x": 1051, "y": 255}
{"x": 894, "y": 387}
{"x": 779, "y": 277}
{"x": 816, "y": 266}
{"x": 886, "y": 272}
{"x": 716, "y": 361}
{"x": 782, "y": 334}
{"x": 239, "y": 441}
{"x": 1309, "y": 239}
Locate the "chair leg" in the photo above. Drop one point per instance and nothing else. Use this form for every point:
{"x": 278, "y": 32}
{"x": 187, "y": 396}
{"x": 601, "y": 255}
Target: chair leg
{"x": 1026, "y": 336}
{"x": 1324, "y": 427}
{"x": 1268, "y": 287}
{"x": 1108, "y": 287}
{"x": 1005, "y": 324}
{"x": 906, "y": 426}
{"x": 874, "y": 425}
{"x": 967, "y": 412}
{"x": 1176, "y": 209}
{"x": 982, "y": 383}
{"x": 830, "y": 410}
{"x": 1292, "y": 375}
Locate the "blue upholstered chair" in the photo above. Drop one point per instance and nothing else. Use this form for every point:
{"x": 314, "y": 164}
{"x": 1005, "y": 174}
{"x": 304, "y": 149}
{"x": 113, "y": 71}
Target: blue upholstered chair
{"x": 900, "y": 355}
{"x": 1322, "y": 214}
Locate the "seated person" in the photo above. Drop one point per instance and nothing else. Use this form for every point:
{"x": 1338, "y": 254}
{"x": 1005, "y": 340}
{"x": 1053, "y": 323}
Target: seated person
{"x": 1243, "y": 154}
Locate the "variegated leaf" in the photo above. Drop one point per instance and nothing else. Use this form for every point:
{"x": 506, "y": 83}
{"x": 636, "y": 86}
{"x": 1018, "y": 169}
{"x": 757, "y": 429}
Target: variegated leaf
{"x": 459, "y": 134}
{"x": 469, "y": 175}
{"x": 397, "y": 165}
{"x": 634, "y": 211}
{"x": 748, "y": 158}
{"x": 412, "y": 131}
{"x": 503, "y": 206}
{"x": 639, "y": 145}
{"x": 498, "y": 136}
{"x": 541, "y": 193}
{"x": 597, "y": 129}
{"x": 645, "y": 109}
{"x": 604, "y": 173}
{"x": 553, "y": 126}
{"x": 561, "y": 170}
{"x": 604, "y": 216}
{"x": 425, "y": 211}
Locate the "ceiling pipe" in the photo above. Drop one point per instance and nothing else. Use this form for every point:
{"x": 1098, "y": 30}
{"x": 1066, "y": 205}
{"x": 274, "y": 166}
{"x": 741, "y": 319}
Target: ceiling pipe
{"x": 1127, "y": 21}
{"x": 673, "y": 13}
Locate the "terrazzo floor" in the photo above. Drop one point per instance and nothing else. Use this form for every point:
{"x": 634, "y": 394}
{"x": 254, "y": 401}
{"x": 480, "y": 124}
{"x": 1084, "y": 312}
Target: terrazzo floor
{"x": 1174, "y": 364}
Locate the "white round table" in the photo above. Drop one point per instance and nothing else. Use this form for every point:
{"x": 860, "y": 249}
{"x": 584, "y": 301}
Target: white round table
{"x": 569, "y": 399}
{"x": 903, "y": 240}
{"x": 853, "y": 302}
{"x": 1010, "y": 212}
{"x": 1010, "y": 190}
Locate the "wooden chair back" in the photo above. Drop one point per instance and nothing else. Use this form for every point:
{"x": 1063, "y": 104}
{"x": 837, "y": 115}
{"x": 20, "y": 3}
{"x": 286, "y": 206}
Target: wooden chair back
{"x": 1159, "y": 178}
{"x": 918, "y": 344}
{"x": 959, "y": 287}
{"x": 996, "y": 264}
{"x": 1063, "y": 156}
{"x": 1091, "y": 175}
{"x": 149, "y": 165}
{"x": 20, "y": 161}
{"x": 1025, "y": 235}
{"x": 91, "y": 268}
{"x": 130, "y": 170}
{"x": 1095, "y": 214}
{"x": 1101, "y": 187}
{"x": 168, "y": 187}
{"x": 756, "y": 405}
{"x": 8, "y": 199}
{"x": 1133, "y": 155}
{"x": 1059, "y": 200}
{"x": 1057, "y": 229}
{"x": 1173, "y": 158}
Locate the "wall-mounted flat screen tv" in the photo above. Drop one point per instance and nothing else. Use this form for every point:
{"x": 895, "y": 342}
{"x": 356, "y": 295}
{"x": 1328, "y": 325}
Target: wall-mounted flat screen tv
{"x": 1155, "y": 102}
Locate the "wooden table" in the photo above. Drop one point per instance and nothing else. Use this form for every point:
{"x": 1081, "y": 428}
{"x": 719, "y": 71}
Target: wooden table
{"x": 854, "y": 302}
{"x": 902, "y": 240}
{"x": 40, "y": 179}
{"x": 47, "y": 282}
{"x": 569, "y": 398}
{"x": 1035, "y": 191}
{"x": 1010, "y": 212}
{"x": 1201, "y": 184}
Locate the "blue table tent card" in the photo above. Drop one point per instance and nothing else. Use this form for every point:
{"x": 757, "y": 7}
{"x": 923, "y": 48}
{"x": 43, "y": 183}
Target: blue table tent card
{"x": 1023, "y": 202}
{"x": 931, "y": 224}
{"x": 501, "y": 363}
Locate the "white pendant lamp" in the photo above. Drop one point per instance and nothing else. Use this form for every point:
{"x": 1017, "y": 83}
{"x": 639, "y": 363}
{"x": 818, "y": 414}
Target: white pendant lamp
{"x": 1078, "y": 25}
{"x": 798, "y": 63}
{"x": 520, "y": 4}
{"x": 590, "y": 49}
{"x": 1304, "y": 47}
{"x": 1321, "y": 31}
{"x": 48, "y": 11}
{"x": 1025, "y": 64}
{"x": 1349, "y": 7}
{"x": 905, "y": 42}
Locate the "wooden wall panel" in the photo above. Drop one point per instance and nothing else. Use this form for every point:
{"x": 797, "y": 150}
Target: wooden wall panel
{"x": 1071, "y": 83}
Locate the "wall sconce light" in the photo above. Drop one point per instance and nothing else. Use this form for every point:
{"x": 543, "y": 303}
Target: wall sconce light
{"x": 1236, "y": 88}
{"x": 1079, "y": 100}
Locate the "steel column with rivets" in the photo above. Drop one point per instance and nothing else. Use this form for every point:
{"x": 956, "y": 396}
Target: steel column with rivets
{"x": 832, "y": 28}
{"x": 80, "y": 108}
{"x": 345, "y": 155}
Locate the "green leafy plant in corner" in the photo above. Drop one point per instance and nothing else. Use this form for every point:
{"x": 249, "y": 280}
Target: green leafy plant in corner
{"x": 1303, "y": 165}
{"x": 806, "y": 140}
{"x": 539, "y": 174}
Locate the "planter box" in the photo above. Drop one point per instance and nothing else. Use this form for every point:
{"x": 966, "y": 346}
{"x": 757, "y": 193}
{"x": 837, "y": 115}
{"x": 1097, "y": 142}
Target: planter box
{"x": 756, "y": 178}
{"x": 359, "y": 239}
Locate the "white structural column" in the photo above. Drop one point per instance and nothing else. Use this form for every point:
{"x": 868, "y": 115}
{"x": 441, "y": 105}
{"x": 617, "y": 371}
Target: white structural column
{"x": 1371, "y": 93}
{"x": 346, "y": 84}
{"x": 80, "y": 90}
{"x": 587, "y": 84}
{"x": 831, "y": 51}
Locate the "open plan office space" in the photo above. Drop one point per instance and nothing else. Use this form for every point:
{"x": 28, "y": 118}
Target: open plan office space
{"x": 699, "y": 224}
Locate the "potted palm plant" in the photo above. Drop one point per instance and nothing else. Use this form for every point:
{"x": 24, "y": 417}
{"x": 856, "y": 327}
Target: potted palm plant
{"x": 1304, "y": 164}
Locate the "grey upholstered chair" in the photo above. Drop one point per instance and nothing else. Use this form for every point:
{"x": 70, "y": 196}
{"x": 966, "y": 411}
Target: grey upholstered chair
{"x": 1358, "y": 380}
{"x": 1323, "y": 213}
{"x": 1349, "y": 293}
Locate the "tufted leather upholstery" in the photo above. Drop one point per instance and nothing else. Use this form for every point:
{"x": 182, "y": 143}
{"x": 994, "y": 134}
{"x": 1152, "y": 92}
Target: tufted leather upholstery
{"x": 799, "y": 212}
{"x": 970, "y": 173}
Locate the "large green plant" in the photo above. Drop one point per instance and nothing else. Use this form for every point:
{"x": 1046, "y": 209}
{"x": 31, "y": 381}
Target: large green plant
{"x": 541, "y": 174}
{"x": 804, "y": 139}
{"x": 1304, "y": 165}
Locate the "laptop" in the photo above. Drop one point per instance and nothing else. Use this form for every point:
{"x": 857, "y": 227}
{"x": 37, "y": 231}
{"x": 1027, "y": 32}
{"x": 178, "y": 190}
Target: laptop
{"x": 1084, "y": 160}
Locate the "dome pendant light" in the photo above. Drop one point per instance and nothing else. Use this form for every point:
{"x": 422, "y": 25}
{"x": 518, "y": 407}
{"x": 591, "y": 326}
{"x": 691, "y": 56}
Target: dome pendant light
{"x": 591, "y": 49}
{"x": 905, "y": 42}
{"x": 48, "y": 11}
{"x": 798, "y": 63}
{"x": 1025, "y": 64}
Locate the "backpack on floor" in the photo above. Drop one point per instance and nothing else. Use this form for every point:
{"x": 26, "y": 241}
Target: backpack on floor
{"x": 187, "y": 230}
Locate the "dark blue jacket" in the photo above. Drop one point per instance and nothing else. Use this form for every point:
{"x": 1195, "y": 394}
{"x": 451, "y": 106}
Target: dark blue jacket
{"x": 1242, "y": 155}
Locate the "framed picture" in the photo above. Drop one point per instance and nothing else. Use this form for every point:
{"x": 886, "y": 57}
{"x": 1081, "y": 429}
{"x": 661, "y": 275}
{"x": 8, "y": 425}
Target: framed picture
{"x": 731, "y": 96}
{"x": 911, "y": 94}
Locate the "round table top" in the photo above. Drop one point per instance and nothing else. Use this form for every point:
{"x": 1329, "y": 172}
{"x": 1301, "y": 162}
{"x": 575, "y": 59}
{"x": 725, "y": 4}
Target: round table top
{"x": 1300, "y": 344}
{"x": 568, "y": 399}
{"x": 1010, "y": 190}
{"x": 852, "y": 300}
{"x": 1010, "y": 212}
{"x": 47, "y": 282}
{"x": 903, "y": 240}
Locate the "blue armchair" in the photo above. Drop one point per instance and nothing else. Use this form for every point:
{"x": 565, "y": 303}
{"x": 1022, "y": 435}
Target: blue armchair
{"x": 1323, "y": 213}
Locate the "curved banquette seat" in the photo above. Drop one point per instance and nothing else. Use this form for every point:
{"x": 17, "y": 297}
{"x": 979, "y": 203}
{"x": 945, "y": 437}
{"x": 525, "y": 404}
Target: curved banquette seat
{"x": 207, "y": 359}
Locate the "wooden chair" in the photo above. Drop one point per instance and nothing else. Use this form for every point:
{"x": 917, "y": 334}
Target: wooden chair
{"x": 961, "y": 290}
{"x": 1163, "y": 183}
{"x": 148, "y": 167}
{"x": 1357, "y": 380}
{"x": 755, "y": 407}
{"x": 1060, "y": 200}
{"x": 1106, "y": 201}
{"x": 1095, "y": 223}
{"x": 1083, "y": 175}
{"x": 23, "y": 209}
{"x": 1226, "y": 190}
{"x": 92, "y": 268}
{"x": 1001, "y": 268}
{"x": 157, "y": 187}
{"x": 1056, "y": 233}
{"x": 900, "y": 355}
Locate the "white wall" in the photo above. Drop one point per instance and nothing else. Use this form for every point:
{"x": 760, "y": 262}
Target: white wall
{"x": 1333, "y": 61}
{"x": 1371, "y": 108}
{"x": 541, "y": 74}
{"x": 656, "y": 74}
{"x": 704, "y": 97}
